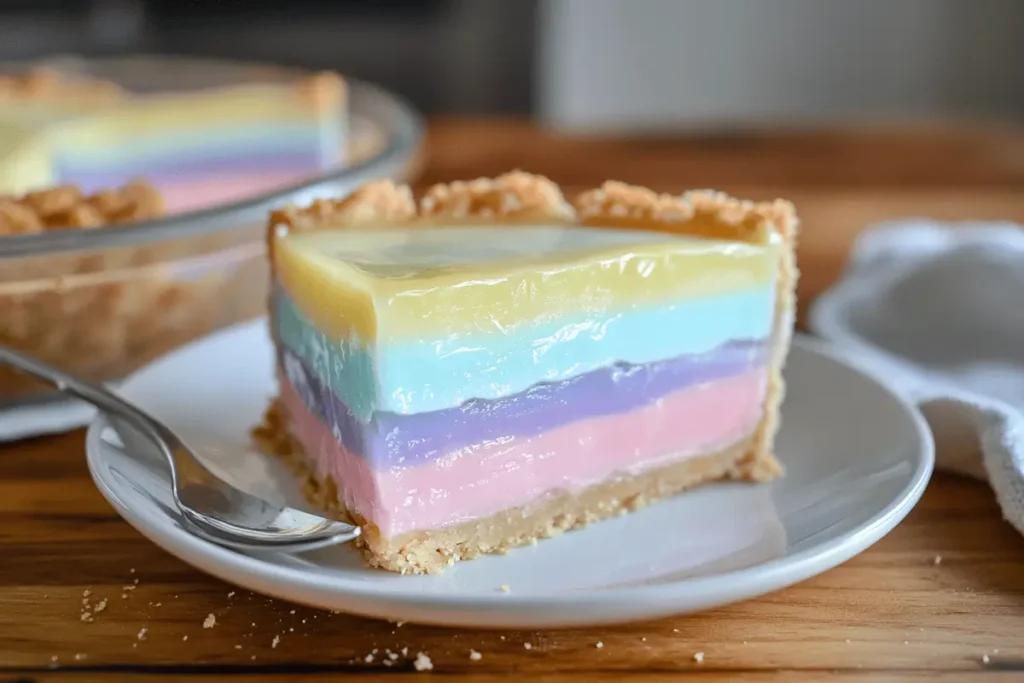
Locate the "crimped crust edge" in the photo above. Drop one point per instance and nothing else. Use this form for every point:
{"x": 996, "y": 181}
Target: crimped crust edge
{"x": 66, "y": 207}
{"x": 519, "y": 197}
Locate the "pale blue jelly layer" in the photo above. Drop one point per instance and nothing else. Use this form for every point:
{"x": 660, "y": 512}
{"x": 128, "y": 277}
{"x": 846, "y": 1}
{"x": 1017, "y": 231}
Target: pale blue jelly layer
{"x": 435, "y": 374}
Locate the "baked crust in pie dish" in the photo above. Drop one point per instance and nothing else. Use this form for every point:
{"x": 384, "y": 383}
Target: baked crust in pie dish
{"x": 102, "y": 314}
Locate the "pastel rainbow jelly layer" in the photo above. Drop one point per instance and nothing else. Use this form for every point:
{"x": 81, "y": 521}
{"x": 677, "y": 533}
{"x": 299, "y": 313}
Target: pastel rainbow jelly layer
{"x": 198, "y": 148}
{"x": 442, "y": 375}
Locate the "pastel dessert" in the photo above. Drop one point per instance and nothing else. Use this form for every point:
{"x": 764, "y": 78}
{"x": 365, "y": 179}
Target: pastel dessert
{"x": 199, "y": 147}
{"x": 495, "y": 365}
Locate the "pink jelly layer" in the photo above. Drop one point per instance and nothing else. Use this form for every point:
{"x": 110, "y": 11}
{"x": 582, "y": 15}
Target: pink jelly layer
{"x": 485, "y": 479}
{"x": 199, "y": 193}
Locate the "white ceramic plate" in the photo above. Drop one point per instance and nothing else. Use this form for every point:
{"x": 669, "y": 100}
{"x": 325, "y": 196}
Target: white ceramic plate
{"x": 857, "y": 458}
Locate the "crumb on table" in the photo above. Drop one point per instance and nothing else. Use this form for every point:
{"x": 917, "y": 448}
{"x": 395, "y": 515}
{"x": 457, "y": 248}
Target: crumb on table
{"x": 422, "y": 662}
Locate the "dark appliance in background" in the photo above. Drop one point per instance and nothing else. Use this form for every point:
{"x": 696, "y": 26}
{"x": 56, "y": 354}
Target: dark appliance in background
{"x": 446, "y": 56}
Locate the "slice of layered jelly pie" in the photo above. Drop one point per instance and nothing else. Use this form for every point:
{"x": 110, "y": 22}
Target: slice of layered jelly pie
{"x": 495, "y": 364}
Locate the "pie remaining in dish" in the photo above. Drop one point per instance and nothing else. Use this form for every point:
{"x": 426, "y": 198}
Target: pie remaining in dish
{"x": 198, "y": 147}
{"x": 495, "y": 364}
{"x": 72, "y": 149}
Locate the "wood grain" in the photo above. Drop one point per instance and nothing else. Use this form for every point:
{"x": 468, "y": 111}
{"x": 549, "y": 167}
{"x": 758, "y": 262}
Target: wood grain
{"x": 891, "y": 614}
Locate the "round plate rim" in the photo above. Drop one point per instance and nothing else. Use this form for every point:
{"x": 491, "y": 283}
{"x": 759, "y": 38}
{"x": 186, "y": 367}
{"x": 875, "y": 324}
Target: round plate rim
{"x": 594, "y": 607}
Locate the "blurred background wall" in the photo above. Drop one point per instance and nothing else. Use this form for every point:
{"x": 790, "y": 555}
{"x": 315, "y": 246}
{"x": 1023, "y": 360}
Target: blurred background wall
{"x": 644, "y": 64}
{"x": 593, "y": 64}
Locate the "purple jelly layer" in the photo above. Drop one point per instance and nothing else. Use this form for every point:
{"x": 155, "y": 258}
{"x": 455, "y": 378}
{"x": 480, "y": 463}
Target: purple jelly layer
{"x": 392, "y": 440}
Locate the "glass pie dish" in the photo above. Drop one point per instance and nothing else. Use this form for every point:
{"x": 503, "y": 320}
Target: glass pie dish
{"x": 102, "y": 302}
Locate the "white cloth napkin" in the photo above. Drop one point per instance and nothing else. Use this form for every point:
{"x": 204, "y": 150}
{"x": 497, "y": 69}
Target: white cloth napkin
{"x": 937, "y": 312}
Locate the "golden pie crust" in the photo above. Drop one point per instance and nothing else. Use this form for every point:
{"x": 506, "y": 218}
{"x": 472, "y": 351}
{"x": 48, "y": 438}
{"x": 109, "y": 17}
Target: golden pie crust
{"x": 41, "y": 84}
{"x": 519, "y": 196}
{"x": 325, "y": 90}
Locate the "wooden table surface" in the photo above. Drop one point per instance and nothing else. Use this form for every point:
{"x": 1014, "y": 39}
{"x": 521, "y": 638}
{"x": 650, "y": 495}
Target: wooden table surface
{"x": 890, "y": 614}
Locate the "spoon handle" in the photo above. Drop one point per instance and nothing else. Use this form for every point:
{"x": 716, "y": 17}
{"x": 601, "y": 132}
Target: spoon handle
{"x": 72, "y": 386}
{"x": 102, "y": 398}
{"x": 302, "y": 531}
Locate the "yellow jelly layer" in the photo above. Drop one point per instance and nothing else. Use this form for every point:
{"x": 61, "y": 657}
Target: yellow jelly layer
{"x": 396, "y": 284}
{"x": 190, "y": 112}
{"x": 33, "y": 132}
{"x": 24, "y": 159}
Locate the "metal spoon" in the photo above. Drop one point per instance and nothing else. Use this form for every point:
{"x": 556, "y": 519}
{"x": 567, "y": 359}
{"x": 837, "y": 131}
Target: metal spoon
{"x": 211, "y": 508}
